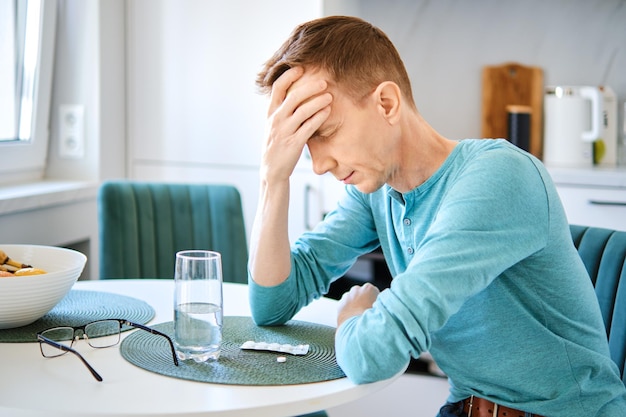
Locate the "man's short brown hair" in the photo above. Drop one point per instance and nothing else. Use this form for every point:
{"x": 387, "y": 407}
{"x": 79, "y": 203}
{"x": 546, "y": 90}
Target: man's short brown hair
{"x": 357, "y": 55}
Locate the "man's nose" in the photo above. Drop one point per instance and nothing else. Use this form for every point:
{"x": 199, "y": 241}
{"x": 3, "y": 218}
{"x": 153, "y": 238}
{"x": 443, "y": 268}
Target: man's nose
{"x": 321, "y": 161}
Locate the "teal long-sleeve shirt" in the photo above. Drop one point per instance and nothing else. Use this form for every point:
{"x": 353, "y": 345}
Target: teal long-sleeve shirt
{"x": 486, "y": 278}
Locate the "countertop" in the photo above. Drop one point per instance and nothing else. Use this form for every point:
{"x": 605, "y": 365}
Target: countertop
{"x": 593, "y": 177}
{"x": 39, "y": 194}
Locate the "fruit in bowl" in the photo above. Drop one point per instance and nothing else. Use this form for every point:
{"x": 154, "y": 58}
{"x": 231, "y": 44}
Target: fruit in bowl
{"x": 25, "y": 298}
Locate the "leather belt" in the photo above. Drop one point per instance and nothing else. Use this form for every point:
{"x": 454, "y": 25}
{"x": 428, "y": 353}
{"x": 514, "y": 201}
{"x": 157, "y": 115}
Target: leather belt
{"x": 480, "y": 407}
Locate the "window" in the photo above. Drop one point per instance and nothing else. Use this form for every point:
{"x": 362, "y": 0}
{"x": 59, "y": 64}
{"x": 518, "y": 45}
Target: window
{"x": 27, "y": 29}
{"x": 19, "y": 43}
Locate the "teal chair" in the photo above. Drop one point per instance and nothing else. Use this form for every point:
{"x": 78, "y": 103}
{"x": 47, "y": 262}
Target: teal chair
{"x": 603, "y": 252}
{"x": 142, "y": 225}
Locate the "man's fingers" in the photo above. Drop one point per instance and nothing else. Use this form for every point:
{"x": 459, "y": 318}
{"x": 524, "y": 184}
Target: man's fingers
{"x": 281, "y": 87}
{"x": 304, "y": 120}
{"x": 309, "y": 116}
{"x": 312, "y": 124}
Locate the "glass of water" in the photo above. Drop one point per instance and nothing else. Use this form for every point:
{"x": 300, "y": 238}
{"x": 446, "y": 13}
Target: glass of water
{"x": 198, "y": 314}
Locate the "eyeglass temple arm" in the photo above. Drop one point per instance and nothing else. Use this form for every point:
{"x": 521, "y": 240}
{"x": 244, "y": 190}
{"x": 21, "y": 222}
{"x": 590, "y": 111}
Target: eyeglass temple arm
{"x": 69, "y": 349}
{"x": 153, "y": 331}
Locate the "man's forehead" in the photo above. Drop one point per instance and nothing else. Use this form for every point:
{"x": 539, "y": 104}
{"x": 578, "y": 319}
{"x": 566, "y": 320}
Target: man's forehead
{"x": 313, "y": 74}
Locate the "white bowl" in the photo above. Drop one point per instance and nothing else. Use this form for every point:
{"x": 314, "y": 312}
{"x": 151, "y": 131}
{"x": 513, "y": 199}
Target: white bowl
{"x": 24, "y": 299}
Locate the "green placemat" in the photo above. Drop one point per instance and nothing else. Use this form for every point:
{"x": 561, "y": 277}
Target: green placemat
{"x": 243, "y": 367}
{"x": 80, "y": 307}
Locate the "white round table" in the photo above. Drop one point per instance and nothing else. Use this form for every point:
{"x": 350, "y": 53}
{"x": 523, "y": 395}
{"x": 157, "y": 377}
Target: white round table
{"x": 35, "y": 386}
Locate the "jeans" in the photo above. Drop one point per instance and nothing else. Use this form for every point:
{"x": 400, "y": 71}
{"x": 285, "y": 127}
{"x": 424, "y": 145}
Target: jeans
{"x": 456, "y": 410}
{"x": 452, "y": 410}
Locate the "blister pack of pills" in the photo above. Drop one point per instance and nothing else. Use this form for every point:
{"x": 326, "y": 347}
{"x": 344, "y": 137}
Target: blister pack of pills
{"x": 276, "y": 347}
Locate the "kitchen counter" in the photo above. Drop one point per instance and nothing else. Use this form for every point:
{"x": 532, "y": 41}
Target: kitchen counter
{"x": 593, "y": 196}
{"x": 36, "y": 195}
{"x": 593, "y": 177}
{"x": 56, "y": 213}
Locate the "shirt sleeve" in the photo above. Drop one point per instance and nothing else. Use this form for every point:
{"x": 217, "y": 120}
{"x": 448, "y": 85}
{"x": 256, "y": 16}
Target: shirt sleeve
{"x": 317, "y": 259}
{"x": 492, "y": 216}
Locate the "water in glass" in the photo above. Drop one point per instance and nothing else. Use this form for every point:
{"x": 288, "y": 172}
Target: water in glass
{"x": 198, "y": 305}
{"x": 198, "y": 334}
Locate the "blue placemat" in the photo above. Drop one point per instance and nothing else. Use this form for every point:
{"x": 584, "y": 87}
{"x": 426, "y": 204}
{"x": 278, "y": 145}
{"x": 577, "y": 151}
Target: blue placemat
{"x": 80, "y": 307}
{"x": 243, "y": 367}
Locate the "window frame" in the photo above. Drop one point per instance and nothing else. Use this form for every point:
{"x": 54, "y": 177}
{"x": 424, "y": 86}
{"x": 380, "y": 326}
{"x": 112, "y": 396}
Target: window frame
{"x": 25, "y": 160}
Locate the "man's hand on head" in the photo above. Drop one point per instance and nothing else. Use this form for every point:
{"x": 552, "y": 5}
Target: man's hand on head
{"x": 299, "y": 105}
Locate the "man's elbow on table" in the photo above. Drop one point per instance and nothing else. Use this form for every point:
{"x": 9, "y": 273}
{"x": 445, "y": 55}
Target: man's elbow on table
{"x": 354, "y": 359}
{"x": 264, "y": 307}
{"x": 263, "y": 319}
{"x": 264, "y": 315}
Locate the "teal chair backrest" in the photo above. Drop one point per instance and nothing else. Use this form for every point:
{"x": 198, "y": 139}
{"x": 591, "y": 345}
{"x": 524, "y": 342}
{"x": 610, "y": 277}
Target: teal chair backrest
{"x": 603, "y": 252}
{"x": 142, "y": 225}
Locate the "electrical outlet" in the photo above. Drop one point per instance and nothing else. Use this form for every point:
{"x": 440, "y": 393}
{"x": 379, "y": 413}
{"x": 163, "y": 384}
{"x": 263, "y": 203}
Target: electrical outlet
{"x": 71, "y": 131}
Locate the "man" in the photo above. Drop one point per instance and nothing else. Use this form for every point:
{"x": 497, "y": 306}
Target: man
{"x": 486, "y": 277}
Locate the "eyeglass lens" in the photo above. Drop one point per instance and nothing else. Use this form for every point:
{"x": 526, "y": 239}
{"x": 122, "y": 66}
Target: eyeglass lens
{"x": 93, "y": 332}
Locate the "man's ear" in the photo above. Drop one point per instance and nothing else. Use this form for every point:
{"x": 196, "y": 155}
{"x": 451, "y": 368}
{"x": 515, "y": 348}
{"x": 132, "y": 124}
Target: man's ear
{"x": 388, "y": 99}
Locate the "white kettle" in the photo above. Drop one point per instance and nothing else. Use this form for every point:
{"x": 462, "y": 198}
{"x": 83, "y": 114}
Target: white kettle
{"x": 580, "y": 126}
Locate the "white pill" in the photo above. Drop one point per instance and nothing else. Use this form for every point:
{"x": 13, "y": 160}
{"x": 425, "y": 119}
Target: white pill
{"x": 281, "y": 359}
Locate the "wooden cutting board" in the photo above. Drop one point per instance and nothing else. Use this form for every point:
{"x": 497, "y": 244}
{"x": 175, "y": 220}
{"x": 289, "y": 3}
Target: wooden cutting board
{"x": 512, "y": 84}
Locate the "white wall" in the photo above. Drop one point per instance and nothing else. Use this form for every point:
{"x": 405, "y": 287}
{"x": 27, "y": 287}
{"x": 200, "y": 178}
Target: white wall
{"x": 90, "y": 71}
{"x": 194, "y": 112}
{"x": 445, "y": 44}
{"x": 168, "y": 86}
{"x": 196, "y": 63}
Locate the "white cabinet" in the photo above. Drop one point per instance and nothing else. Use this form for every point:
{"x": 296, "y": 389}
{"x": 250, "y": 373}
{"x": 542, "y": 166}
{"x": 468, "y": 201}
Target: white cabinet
{"x": 194, "y": 112}
{"x": 593, "y": 197}
{"x": 597, "y": 206}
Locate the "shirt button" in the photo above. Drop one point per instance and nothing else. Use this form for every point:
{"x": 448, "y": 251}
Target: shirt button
{"x": 407, "y": 222}
{"x": 410, "y": 251}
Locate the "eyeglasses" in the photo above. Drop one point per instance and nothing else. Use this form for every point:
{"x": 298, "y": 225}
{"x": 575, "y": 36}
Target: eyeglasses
{"x": 54, "y": 342}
